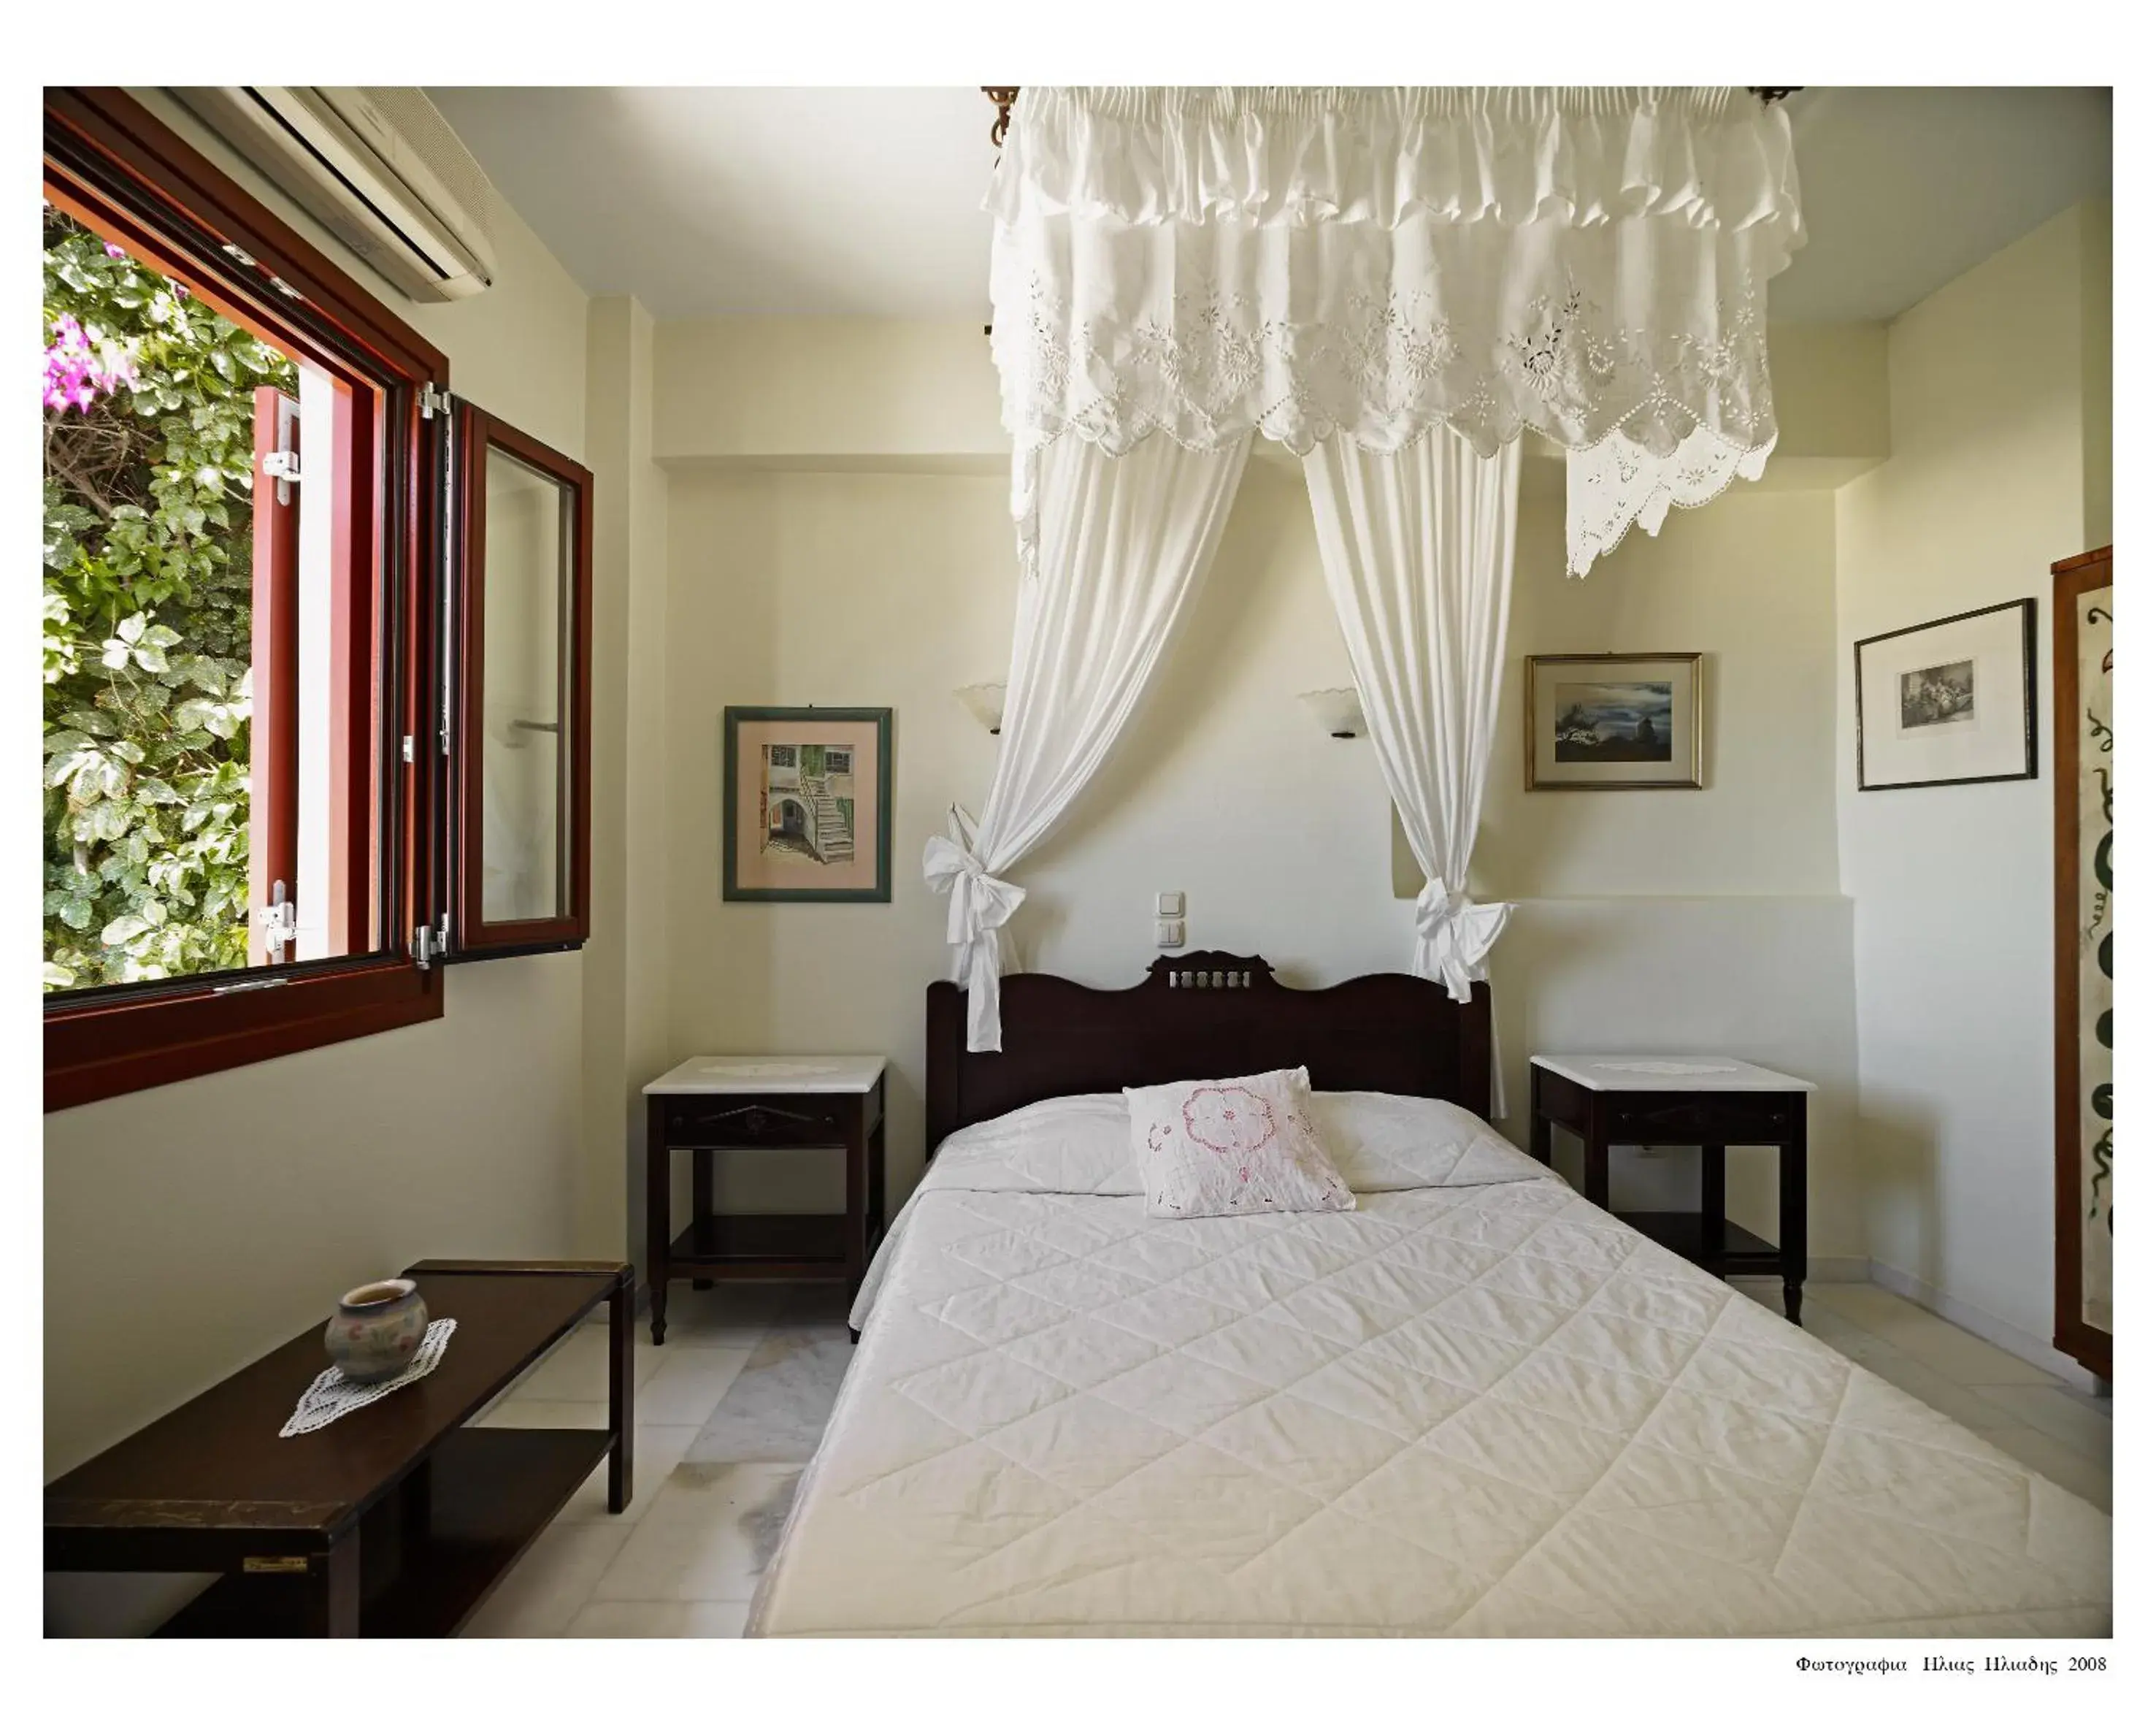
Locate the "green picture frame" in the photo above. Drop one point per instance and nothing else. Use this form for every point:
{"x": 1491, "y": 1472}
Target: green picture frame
{"x": 791, "y": 795}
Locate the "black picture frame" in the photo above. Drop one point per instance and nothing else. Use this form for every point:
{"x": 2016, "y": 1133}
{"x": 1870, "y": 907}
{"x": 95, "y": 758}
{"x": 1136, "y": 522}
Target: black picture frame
{"x": 2027, "y": 608}
{"x": 731, "y": 891}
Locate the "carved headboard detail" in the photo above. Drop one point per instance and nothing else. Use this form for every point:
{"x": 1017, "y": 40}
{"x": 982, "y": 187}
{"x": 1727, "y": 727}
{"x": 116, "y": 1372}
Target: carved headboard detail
{"x": 1205, "y": 1015}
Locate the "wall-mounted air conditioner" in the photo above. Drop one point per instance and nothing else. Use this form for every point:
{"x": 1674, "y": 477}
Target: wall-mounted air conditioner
{"x": 380, "y": 169}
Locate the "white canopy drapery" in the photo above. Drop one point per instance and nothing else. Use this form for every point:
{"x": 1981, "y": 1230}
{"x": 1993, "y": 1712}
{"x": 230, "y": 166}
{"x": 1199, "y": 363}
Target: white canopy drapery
{"x": 1124, "y": 543}
{"x": 1417, "y": 547}
{"x": 1305, "y": 264}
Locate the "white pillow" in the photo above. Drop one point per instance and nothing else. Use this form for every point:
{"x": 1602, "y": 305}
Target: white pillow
{"x": 1233, "y": 1147}
{"x": 1380, "y": 1142}
{"x": 1078, "y": 1144}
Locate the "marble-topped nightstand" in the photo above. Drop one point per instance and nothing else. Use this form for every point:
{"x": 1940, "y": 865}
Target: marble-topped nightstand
{"x": 715, "y": 1102}
{"x": 1711, "y": 1100}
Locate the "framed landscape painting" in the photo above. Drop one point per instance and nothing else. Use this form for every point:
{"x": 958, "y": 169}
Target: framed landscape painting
{"x": 806, "y": 797}
{"x": 1614, "y": 722}
{"x": 1950, "y": 702}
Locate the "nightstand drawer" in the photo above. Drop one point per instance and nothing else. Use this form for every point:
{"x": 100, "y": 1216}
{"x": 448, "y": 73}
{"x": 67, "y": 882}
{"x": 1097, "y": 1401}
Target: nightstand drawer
{"x": 1651, "y": 1117}
{"x": 757, "y": 1121}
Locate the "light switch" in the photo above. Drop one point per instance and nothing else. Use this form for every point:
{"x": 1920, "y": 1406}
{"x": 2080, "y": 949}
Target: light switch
{"x": 1169, "y": 931}
{"x": 1171, "y": 904}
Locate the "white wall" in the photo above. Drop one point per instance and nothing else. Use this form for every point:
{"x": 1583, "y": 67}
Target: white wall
{"x": 190, "y": 1228}
{"x": 2000, "y": 467}
{"x": 1658, "y": 918}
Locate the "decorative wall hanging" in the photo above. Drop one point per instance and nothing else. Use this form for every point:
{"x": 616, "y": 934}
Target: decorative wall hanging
{"x": 1300, "y": 263}
{"x": 808, "y": 804}
{"x": 1615, "y": 722}
{"x": 2082, "y": 763}
{"x": 1950, "y": 702}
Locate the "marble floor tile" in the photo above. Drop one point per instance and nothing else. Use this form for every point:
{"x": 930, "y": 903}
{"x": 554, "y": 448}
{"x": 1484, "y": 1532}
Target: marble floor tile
{"x": 551, "y": 1581}
{"x": 776, "y": 1410}
{"x": 658, "y": 1450}
{"x": 1935, "y": 1389}
{"x": 732, "y": 1315}
{"x": 708, "y": 1535}
{"x": 2056, "y": 1462}
{"x": 620, "y": 1619}
{"x": 688, "y": 1385}
{"x": 2057, "y": 1413}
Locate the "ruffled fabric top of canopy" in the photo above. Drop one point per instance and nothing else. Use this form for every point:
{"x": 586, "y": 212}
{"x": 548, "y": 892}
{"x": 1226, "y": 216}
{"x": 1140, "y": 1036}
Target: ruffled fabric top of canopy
{"x": 1591, "y": 263}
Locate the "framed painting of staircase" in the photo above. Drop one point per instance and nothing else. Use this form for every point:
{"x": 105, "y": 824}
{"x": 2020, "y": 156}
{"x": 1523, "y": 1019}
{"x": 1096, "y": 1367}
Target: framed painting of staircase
{"x": 806, "y": 797}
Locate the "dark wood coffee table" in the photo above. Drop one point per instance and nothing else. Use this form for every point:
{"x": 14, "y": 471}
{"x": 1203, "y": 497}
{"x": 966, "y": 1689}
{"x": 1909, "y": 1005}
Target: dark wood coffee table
{"x": 399, "y": 1519}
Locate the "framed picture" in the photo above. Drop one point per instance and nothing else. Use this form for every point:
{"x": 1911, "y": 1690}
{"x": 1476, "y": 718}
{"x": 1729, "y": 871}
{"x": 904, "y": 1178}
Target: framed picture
{"x": 1614, "y": 722}
{"x": 807, "y": 805}
{"x": 2085, "y": 909}
{"x": 1950, "y": 702}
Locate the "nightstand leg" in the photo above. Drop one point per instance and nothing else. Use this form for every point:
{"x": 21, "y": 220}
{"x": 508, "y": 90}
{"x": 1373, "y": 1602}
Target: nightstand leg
{"x": 1713, "y": 1206}
{"x": 1595, "y": 1143}
{"x": 658, "y": 1200}
{"x": 1794, "y": 1222}
{"x": 699, "y": 1176}
{"x": 621, "y": 1395}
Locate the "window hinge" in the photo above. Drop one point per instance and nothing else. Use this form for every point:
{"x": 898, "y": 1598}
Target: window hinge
{"x": 410, "y": 755}
{"x": 281, "y": 923}
{"x": 282, "y": 465}
{"x": 433, "y": 401}
{"x": 430, "y": 941}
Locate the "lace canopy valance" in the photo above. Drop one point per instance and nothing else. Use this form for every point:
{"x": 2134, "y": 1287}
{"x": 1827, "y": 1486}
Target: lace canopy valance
{"x": 1303, "y": 263}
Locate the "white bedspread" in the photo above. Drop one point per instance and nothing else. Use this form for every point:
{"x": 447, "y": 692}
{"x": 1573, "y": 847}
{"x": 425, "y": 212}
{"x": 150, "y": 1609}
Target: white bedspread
{"x": 1475, "y": 1406}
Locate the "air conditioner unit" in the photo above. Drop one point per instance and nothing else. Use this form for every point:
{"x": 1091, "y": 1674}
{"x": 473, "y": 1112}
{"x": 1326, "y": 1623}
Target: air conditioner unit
{"x": 380, "y": 169}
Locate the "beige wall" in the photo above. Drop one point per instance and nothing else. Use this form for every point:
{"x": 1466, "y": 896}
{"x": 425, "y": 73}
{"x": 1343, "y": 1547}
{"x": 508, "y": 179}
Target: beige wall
{"x": 191, "y": 1228}
{"x": 1995, "y": 475}
{"x": 1656, "y": 915}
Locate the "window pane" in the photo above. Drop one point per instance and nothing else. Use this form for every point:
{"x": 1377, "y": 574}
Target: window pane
{"x": 523, "y": 836}
{"x": 185, "y": 592}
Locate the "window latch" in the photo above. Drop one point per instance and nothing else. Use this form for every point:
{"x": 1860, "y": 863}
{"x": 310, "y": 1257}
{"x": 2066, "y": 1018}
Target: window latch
{"x": 281, "y": 923}
{"x": 282, "y": 465}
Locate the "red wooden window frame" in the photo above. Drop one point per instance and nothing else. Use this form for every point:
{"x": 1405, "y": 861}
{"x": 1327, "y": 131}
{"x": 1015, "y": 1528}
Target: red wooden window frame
{"x": 273, "y": 772}
{"x": 114, "y": 166}
{"x": 474, "y": 936}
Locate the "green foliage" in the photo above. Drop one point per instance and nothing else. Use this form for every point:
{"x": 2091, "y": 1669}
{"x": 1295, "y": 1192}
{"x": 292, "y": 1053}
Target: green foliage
{"x": 148, "y": 552}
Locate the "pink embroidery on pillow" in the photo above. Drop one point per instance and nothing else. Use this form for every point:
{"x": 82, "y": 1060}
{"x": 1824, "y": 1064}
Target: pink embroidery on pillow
{"x": 1226, "y": 1118}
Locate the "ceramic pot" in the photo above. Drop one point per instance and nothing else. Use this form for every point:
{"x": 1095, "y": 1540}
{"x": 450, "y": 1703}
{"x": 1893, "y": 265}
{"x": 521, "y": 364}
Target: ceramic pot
{"x": 376, "y": 1330}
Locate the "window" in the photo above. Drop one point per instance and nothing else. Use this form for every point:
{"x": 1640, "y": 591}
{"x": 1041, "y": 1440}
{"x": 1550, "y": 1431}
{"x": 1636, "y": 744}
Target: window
{"x": 290, "y": 583}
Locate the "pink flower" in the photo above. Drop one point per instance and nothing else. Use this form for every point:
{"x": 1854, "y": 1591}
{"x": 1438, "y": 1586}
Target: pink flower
{"x": 113, "y": 251}
{"x": 76, "y": 372}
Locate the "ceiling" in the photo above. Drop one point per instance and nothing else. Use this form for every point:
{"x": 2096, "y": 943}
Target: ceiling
{"x": 867, "y": 201}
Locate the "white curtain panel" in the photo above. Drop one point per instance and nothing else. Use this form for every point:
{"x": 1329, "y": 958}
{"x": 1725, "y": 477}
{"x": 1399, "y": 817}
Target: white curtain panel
{"x": 1371, "y": 263}
{"x": 1417, "y": 546}
{"x": 1124, "y": 541}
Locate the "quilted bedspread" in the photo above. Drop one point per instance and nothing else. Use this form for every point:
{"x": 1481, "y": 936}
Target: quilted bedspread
{"x": 1475, "y": 1406}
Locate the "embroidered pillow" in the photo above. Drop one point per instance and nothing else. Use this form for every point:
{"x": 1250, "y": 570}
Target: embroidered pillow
{"x": 1233, "y": 1147}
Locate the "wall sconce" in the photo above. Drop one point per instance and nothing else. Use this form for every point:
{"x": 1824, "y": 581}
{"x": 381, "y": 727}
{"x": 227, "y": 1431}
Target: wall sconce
{"x": 985, "y": 701}
{"x": 1339, "y": 711}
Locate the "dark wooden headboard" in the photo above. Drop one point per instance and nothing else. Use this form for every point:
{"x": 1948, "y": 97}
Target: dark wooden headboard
{"x": 1205, "y": 1015}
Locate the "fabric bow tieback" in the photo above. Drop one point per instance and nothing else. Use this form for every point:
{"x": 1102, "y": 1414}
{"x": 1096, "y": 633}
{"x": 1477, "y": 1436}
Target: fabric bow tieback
{"x": 1452, "y": 936}
{"x": 980, "y": 906}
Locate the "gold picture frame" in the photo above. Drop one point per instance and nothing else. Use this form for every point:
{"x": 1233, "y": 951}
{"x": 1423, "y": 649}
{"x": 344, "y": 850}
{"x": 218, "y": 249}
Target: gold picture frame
{"x": 1614, "y": 721}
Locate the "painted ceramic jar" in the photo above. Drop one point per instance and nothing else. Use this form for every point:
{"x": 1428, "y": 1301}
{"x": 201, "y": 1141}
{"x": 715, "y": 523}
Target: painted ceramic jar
{"x": 376, "y": 1330}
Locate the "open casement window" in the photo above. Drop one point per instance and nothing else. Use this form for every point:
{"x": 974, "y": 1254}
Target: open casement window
{"x": 516, "y": 694}
{"x": 277, "y": 568}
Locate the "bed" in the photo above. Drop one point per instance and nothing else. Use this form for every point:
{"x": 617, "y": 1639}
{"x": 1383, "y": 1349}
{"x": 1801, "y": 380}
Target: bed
{"x": 1474, "y": 1405}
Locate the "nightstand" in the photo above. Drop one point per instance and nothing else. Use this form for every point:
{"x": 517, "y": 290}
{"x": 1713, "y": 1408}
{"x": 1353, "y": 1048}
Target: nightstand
{"x": 718, "y": 1102}
{"x": 1703, "y": 1099}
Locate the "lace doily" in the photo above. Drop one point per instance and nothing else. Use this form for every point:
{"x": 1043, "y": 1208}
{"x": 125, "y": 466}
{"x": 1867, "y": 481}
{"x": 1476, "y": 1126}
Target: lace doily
{"x": 332, "y": 1395}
